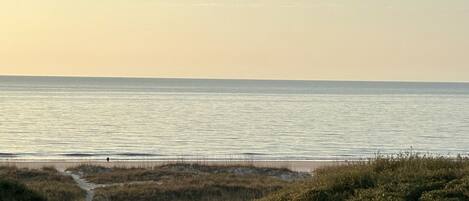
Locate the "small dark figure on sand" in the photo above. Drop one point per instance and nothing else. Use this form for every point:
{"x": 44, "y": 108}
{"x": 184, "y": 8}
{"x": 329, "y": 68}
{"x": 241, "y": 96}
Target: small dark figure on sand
{"x": 107, "y": 159}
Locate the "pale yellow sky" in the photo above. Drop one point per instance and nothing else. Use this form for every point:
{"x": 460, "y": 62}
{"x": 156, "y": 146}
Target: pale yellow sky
{"x": 418, "y": 40}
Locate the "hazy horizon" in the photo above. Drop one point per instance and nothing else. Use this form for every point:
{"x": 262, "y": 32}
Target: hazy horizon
{"x": 238, "y": 39}
{"x": 222, "y": 78}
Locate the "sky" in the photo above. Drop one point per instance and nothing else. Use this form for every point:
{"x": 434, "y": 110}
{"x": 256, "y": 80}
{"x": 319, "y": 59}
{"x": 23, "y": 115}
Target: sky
{"x": 411, "y": 40}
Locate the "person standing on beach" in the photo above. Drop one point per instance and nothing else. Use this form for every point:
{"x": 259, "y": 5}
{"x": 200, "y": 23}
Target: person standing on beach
{"x": 107, "y": 159}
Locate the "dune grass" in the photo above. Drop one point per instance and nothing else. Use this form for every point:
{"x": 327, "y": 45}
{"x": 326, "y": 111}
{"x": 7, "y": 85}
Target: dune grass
{"x": 103, "y": 175}
{"x": 213, "y": 187}
{"x": 46, "y": 183}
{"x": 185, "y": 182}
{"x": 406, "y": 177}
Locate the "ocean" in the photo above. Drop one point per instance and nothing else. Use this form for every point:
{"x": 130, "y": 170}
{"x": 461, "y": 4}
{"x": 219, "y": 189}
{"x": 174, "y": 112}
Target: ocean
{"x": 81, "y": 118}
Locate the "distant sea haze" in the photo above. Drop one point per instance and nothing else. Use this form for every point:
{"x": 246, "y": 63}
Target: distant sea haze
{"x": 149, "y": 118}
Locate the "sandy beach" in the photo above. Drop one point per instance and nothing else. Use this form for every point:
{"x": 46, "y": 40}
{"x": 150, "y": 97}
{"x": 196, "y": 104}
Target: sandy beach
{"x": 300, "y": 166}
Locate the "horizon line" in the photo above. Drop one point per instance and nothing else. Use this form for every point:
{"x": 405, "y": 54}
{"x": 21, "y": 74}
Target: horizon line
{"x": 240, "y": 79}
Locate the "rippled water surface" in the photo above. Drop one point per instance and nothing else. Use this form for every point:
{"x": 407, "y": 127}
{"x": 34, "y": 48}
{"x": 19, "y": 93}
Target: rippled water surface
{"x": 129, "y": 118}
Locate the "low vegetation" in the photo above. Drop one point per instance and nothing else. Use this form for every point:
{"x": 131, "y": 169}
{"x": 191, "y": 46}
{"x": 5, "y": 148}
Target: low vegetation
{"x": 45, "y": 184}
{"x": 406, "y": 177}
{"x": 185, "y": 182}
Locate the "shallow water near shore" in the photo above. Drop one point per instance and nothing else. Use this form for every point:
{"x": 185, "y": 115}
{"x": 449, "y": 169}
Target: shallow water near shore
{"x": 137, "y": 119}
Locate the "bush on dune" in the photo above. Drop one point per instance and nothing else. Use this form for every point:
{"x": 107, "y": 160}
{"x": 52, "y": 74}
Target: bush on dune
{"x": 48, "y": 183}
{"x": 404, "y": 178}
{"x": 14, "y": 191}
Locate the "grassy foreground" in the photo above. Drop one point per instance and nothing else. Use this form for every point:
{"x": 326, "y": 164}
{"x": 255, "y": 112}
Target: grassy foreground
{"x": 37, "y": 185}
{"x": 403, "y": 178}
{"x": 406, "y": 177}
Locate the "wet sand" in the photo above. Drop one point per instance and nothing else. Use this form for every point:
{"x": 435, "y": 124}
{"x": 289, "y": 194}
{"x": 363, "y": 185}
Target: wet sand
{"x": 301, "y": 166}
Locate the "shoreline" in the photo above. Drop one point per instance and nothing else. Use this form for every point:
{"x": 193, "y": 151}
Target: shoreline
{"x": 294, "y": 165}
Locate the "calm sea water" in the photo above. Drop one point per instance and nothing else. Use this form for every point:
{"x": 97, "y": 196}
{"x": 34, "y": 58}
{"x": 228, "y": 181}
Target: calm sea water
{"x": 130, "y": 118}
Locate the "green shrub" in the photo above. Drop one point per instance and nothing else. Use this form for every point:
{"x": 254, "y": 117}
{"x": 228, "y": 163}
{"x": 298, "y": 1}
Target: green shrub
{"x": 14, "y": 191}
